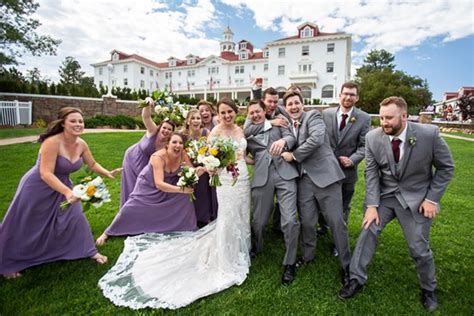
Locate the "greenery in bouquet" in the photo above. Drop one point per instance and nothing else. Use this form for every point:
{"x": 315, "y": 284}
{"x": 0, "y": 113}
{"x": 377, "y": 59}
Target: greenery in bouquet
{"x": 221, "y": 153}
{"x": 187, "y": 179}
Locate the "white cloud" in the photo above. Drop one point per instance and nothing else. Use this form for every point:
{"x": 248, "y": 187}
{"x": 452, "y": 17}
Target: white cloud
{"x": 90, "y": 29}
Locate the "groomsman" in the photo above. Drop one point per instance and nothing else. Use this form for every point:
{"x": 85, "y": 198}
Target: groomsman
{"x": 346, "y": 126}
{"x": 319, "y": 186}
{"x": 272, "y": 175}
{"x": 408, "y": 168}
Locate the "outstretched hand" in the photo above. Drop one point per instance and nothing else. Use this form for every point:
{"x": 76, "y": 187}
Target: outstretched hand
{"x": 112, "y": 173}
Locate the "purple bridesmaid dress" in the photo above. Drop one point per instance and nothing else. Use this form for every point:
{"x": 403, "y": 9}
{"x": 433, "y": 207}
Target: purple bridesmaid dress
{"x": 206, "y": 197}
{"x": 149, "y": 210}
{"x": 35, "y": 230}
{"x": 135, "y": 159}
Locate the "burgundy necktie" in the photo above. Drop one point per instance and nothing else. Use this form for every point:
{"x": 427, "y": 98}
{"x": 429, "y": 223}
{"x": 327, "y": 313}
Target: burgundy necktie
{"x": 343, "y": 122}
{"x": 296, "y": 124}
{"x": 396, "y": 149}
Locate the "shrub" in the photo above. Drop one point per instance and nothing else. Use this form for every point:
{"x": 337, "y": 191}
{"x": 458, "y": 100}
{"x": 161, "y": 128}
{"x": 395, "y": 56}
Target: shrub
{"x": 118, "y": 121}
{"x": 240, "y": 119}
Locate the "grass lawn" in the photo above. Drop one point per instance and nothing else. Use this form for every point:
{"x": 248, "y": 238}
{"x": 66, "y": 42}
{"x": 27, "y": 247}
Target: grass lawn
{"x": 461, "y": 134}
{"x": 19, "y": 132}
{"x": 71, "y": 287}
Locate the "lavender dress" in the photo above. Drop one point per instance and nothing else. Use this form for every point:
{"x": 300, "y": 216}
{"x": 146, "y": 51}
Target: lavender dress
{"x": 36, "y": 230}
{"x": 206, "y": 197}
{"x": 149, "y": 210}
{"x": 136, "y": 158}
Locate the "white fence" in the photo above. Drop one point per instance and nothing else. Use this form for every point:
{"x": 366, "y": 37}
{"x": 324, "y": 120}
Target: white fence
{"x": 15, "y": 112}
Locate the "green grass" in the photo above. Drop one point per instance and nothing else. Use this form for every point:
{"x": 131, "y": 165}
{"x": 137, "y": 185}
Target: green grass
{"x": 461, "y": 134}
{"x": 19, "y": 132}
{"x": 71, "y": 287}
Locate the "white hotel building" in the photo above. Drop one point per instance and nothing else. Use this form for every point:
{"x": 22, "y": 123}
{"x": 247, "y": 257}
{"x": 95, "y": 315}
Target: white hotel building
{"x": 316, "y": 61}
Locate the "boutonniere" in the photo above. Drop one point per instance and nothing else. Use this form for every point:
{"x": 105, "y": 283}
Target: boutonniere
{"x": 296, "y": 124}
{"x": 412, "y": 140}
{"x": 353, "y": 120}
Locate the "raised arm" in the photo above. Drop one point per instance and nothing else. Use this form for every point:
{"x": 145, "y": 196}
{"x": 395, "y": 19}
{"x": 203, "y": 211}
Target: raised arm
{"x": 150, "y": 125}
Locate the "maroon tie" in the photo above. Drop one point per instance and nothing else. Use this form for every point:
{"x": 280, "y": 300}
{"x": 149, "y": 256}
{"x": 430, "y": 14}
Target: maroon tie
{"x": 343, "y": 122}
{"x": 396, "y": 149}
{"x": 296, "y": 124}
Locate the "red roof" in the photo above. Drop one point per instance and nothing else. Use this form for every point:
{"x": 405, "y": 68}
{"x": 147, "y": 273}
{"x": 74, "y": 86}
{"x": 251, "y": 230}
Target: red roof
{"x": 317, "y": 35}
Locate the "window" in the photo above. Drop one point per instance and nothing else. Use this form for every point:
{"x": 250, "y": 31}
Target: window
{"x": 306, "y": 93}
{"x": 243, "y": 45}
{"x": 101, "y": 70}
{"x": 305, "y": 50}
{"x": 327, "y": 91}
{"x": 191, "y": 73}
{"x": 307, "y": 32}
{"x": 179, "y": 73}
{"x": 265, "y": 67}
{"x": 168, "y": 74}
{"x": 214, "y": 70}
{"x": 191, "y": 61}
{"x": 101, "y": 83}
{"x": 329, "y": 67}
{"x": 142, "y": 70}
{"x": 330, "y": 48}
{"x": 243, "y": 55}
{"x": 152, "y": 84}
{"x": 125, "y": 82}
{"x": 172, "y": 63}
{"x": 151, "y": 72}
{"x": 281, "y": 70}
{"x": 142, "y": 83}
{"x": 239, "y": 69}
{"x": 115, "y": 56}
{"x": 304, "y": 68}
{"x": 239, "y": 82}
{"x": 266, "y": 53}
{"x": 281, "y": 52}
{"x": 125, "y": 68}
{"x": 113, "y": 83}
{"x": 254, "y": 67}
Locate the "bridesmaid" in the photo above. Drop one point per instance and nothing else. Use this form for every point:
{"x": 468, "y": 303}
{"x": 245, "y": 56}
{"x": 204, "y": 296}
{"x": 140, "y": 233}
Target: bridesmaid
{"x": 138, "y": 155}
{"x": 157, "y": 204}
{"x": 35, "y": 229}
{"x": 206, "y": 198}
{"x": 208, "y": 114}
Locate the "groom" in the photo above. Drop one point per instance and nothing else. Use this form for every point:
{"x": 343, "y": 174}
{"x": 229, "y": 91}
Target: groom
{"x": 401, "y": 183}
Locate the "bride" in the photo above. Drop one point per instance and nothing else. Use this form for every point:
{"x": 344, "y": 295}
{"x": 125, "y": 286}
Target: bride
{"x": 173, "y": 270}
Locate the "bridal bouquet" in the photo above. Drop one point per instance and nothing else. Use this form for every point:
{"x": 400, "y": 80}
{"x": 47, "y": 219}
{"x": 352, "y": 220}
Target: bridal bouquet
{"x": 161, "y": 98}
{"x": 220, "y": 154}
{"x": 188, "y": 178}
{"x": 92, "y": 192}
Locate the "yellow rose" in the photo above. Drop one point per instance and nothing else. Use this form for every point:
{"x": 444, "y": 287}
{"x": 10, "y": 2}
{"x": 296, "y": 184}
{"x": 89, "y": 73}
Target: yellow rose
{"x": 91, "y": 191}
{"x": 202, "y": 150}
{"x": 214, "y": 151}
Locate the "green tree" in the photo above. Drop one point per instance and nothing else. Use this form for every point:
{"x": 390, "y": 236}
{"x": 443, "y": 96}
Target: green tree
{"x": 33, "y": 75}
{"x": 18, "y": 32}
{"x": 378, "y": 79}
{"x": 70, "y": 71}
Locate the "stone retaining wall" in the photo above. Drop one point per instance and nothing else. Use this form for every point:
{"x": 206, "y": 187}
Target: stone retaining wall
{"x": 46, "y": 107}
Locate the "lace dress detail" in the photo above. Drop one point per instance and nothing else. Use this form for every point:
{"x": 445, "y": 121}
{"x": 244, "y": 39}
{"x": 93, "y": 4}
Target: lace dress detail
{"x": 175, "y": 269}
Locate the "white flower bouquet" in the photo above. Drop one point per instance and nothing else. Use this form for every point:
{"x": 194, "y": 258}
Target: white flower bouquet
{"x": 188, "y": 178}
{"x": 92, "y": 192}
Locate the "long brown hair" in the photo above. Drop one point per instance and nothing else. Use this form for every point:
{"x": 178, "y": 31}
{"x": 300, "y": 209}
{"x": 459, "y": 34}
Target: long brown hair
{"x": 57, "y": 126}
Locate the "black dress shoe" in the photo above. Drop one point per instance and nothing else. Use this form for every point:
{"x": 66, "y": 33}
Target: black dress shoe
{"x": 429, "y": 300}
{"x": 301, "y": 262}
{"x": 350, "y": 289}
{"x": 288, "y": 274}
{"x": 322, "y": 230}
{"x": 345, "y": 276}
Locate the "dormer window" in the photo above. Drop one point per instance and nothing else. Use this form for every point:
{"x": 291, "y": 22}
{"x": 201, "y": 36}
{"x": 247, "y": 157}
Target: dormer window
{"x": 266, "y": 53}
{"x": 243, "y": 55}
{"x": 191, "y": 61}
{"x": 172, "y": 63}
{"x": 115, "y": 56}
{"x": 243, "y": 45}
{"x": 306, "y": 32}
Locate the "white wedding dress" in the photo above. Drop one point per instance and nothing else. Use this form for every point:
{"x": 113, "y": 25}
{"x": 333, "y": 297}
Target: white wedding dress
{"x": 173, "y": 270}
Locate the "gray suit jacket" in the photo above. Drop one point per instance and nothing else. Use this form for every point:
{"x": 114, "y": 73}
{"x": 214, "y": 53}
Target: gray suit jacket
{"x": 313, "y": 153}
{"x": 260, "y": 151}
{"x": 413, "y": 179}
{"x": 350, "y": 142}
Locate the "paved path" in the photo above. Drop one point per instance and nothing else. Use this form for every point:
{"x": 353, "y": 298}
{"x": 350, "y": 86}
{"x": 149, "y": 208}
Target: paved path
{"x": 30, "y": 139}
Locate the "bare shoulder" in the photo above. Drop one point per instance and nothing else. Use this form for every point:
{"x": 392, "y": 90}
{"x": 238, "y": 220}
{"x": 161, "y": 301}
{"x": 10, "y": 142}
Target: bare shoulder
{"x": 51, "y": 143}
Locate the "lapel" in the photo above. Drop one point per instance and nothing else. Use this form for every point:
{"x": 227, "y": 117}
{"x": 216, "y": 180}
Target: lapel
{"x": 388, "y": 151}
{"x": 301, "y": 126}
{"x": 335, "y": 128}
{"x": 407, "y": 149}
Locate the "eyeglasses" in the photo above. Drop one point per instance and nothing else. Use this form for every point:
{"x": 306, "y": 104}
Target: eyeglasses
{"x": 345, "y": 94}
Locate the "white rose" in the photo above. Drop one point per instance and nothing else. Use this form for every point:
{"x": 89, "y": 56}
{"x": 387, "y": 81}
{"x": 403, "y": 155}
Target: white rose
{"x": 169, "y": 100}
{"x": 97, "y": 181}
{"x": 180, "y": 182}
{"x": 79, "y": 190}
{"x": 149, "y": 101}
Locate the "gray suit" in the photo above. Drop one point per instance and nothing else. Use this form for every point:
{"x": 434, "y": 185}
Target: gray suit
{"x": 398, "y": 189}
{"x": 272, "y": 173}
{"x": 319, "y": 188}
{"x": 350, "y": 142}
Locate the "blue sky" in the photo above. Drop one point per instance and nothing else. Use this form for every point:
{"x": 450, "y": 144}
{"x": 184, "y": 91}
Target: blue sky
{"x": 431, "y": 39}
